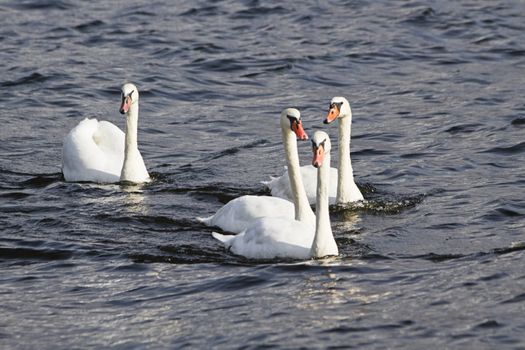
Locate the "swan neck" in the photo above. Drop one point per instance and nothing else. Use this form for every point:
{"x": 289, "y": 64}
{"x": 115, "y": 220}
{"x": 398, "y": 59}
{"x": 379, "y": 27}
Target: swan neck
{"x": 303, "y": 211}
{"x": 345, "y": 176}
{"x": 324, "y": 243}
{"x": 131, "y": 151}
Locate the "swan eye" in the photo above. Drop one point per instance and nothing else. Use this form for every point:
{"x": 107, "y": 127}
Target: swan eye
{"x": 292, "y": 120}
{"x": 315, "y": 146}
{"x": 336, "y": 105}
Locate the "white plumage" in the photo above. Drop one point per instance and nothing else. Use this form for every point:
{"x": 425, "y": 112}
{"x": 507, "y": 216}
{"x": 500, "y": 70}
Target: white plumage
{"x": 237, "y": 215}
{"x": 93, "y": 151}
{"x": 270, "y": 237}
{"x": 280, "y": 186}
{"x": 240, "y": 212}
{"x": 343, "y": 188}
{"x": 98, "y": 151}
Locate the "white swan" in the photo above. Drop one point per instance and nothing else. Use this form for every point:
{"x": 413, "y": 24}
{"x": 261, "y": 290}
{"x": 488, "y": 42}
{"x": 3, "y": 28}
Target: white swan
{"x": 269, "y": 238}
{"x": 100, "y": 152}
{"x": 236, "y": 215}
{"x": 343, "y": 189}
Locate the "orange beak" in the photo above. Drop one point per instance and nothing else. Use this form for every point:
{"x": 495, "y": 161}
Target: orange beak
{"x": 297, "y": 128}
{"x": 332, "y": 115}
{"x": 318, "y": 156}
{"x": 124, "y": 106}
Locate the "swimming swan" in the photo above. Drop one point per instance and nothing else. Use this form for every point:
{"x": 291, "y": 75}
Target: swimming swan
{"x": 100, "y": 152}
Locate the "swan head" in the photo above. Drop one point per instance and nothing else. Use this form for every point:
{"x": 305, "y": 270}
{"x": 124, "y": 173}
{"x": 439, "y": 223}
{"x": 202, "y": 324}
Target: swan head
{"x": 291, "y": 119}
{"x": 339, "y": 108}
{"x": 320, "y": 146}
{"x": 130, "y": 96}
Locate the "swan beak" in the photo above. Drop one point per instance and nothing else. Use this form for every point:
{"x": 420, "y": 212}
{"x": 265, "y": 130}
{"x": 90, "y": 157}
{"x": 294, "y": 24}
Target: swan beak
{"x": 318, "y": 156}
{"x": 126, "y": 103}
{"x": 332, "y": 115}
{"x": 297, "y": 128}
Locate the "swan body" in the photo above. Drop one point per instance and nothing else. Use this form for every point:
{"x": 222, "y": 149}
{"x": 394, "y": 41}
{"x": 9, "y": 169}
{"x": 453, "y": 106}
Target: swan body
{"x": 343, "y": 188}
{"x": 280, "y": 186}
{"x": 93, "y": 151}
{"x": 238, "y": 214}
{"x": 269, "y": 238}
{"x": 98, "y": 151}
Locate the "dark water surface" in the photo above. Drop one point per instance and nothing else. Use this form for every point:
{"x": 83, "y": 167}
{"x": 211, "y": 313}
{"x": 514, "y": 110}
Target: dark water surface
{"x": 435, "y": 259}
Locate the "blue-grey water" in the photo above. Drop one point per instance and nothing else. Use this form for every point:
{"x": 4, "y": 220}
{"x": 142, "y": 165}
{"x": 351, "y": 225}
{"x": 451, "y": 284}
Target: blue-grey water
{"x": 435, "y": 259}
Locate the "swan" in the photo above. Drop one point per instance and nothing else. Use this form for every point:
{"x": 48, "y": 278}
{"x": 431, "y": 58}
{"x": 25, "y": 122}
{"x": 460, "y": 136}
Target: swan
{"x": 236, "y": 215}
{"x": 271, "y": 237}
{"x": 343, "y": 189}
{"x": 100, "y": 152}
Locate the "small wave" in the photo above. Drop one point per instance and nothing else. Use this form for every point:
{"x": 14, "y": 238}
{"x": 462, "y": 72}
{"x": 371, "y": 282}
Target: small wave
{"x": 222, "y": 193}
{"x": 506, "y": 151}
{"x": 376, "y": 328}
{"x": 203, "y": 11}
{"x": 503, "y": 213}
{"x": 259, "y": 11}
{"x": 234, "y": 283}
{"x": 520, "y": 298}
{"x": 41, "y": 180}
{"x": 434, "y": 257}
{"x": 437, "y": 258}
{"x": 382, "y": 203}
{"x": 15, "y": 195}
{"x": 208, "y": 48}
{"x": 152, "y": 222}
{"x": 489, "y": 324}
{"x": 184, "y": 254}
{"x": 515, "y": 247}
{"x": 33, "y": 78}
{"x": 43, "y": 5}
{"x": 370, "y": 152}
{"x": 216, "y": 65}
{"x": 34, "y": 254}
{"x": 421, "y": 16}
{"x": 89, "y": 26}
{"x": 518, "y": 122}
{"x": 510, "y": 52}
{"x": 231, "y": 151}
{"x": 464, "y": 128}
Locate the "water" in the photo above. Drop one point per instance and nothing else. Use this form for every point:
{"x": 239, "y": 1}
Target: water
{"x": 433, "y": 260}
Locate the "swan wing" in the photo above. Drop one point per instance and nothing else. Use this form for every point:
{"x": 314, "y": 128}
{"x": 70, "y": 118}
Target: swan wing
{"x": 269, "y": 238}
{"x": 236, "y": 215}
{"x": 280, "y": 186}
{"x": 93, "y": 151}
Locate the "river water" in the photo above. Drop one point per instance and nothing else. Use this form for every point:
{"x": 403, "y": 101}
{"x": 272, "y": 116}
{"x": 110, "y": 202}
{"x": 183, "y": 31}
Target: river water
{"x": 434, "y": 258}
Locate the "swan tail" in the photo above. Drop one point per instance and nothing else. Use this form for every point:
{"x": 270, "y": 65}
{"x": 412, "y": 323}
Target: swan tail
{"x": 205, "y": 221}
{"x": 270, "y": 182}
{"x": 267, "y": 183}
{"x": 226, "y": 239}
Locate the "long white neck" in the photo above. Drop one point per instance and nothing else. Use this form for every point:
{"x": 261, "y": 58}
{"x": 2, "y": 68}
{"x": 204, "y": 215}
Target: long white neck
{"x": 324, "y": 243}
{"x": 131, "y": 151}
{"x": 345, "y": 177}
{"x": 303, "y": 211}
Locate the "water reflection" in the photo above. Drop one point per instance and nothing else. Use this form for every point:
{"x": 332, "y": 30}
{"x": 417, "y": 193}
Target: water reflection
{"x": 134, "y": 199}
{"x": 129, "y": 197}
{"x": 345, "y": 221}
{"x": 333, "y": 288}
